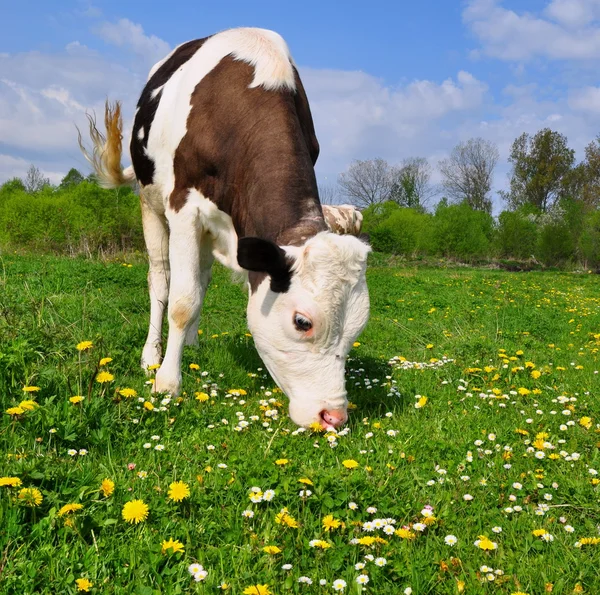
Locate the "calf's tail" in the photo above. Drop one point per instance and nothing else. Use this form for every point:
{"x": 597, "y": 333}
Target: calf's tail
{"x": 105, "y": 157}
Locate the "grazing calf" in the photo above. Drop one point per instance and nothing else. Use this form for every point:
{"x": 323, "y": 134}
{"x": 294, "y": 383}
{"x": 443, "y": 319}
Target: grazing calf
{"x": 343, "y": 219}
{"x": 223, "y": 147}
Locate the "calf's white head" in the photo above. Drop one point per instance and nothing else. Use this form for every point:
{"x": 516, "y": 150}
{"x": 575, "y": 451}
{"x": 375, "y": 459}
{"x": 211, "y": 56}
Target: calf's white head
{"x": 307, "y": 305}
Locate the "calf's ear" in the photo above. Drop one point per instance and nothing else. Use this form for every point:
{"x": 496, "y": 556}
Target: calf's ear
{"x": 264, "y": 256}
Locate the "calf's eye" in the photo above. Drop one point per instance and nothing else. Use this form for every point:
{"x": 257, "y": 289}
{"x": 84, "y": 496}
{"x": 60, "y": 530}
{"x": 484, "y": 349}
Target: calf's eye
{"x": 302, "y": 323}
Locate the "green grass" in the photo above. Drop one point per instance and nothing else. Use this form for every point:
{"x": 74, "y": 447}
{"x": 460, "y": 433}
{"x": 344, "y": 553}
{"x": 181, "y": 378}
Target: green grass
{"x": 48, "y": 305}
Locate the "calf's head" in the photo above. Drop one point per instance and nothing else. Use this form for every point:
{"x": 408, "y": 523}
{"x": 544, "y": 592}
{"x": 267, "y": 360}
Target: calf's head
{"x": 307, "y": 305}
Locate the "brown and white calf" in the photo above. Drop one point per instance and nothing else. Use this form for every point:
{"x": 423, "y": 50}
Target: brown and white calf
{"x": 343, "y": 219}
{"x": 223, "y": 147}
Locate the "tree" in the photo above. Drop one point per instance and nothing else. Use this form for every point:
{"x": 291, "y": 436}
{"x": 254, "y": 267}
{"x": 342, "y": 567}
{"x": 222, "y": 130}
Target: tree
{"x": 411, "y": 187}
{"x": 328, "y": 194}
{"x": 468, "y": 172}
{"x": 72, "y": 178}
{"x": 540, "y": 167}
{"x": 35, "y": 180}
{"x": 367, "y": 182}
{"x": 12, "y": 185}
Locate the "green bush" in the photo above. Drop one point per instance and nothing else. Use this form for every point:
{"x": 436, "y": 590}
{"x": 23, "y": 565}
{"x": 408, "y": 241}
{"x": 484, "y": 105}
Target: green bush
{"x": 516, "y": 235}
{"x": 555, "y": 243}
{"x": 589, "y": 241}
{"x": 404, "y": 232}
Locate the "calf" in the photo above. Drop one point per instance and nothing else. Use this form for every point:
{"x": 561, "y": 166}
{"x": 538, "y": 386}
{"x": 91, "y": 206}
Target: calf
{"x": 343, "y": 219}
{"x": 223, "y": 147}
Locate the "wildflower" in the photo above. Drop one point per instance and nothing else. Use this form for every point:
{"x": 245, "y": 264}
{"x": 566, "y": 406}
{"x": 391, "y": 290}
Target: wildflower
{"x": 585, "y": 422}
{"x": 286, "y": 567}
{"x": 104, "y": 377}
{"x": 83, "y": 584}
{"x": 589, "y": 541}
{"x": 72, "y": 452}
{"x": 367, "y": 540}
{"x": 268, "y": 495}
{"x": 69, "y": 508}
{"x": 362, "y": 579}
{"x": 339, "y": 584}
{"x": 282, "y": 462}
{"x": 202, "y": 397}
{"x": 257, "y": 590}
{"x": 319, "y": 543}
{"x": 107, "y": 487}
{"x": 128, "y": 393}
{"x": 172, "y": 544}
{"x": 450, "y": 540}
{"x": 305, "y": 579}
{"x": 148, "y": 406}
{"x": 381, "y": 562}
{"x": 76, "y": 399}
{"x": 178, "y": 491}
{"x": 31, "y": 389}
{"x": 248, "y": 514}
{"x": 350, "y": 464}
{"x": 352, "y": 505}
{"x": 271, "y": 549}
{"x": 194, "y": 367}
{"x": 105, "y": 360}
{"x": 421, "y": 403}
{"x": 485, "y": 543}
{"x": 15, "y": 411}
{"x": 405, "y": 533}
{"x": 84, "y": 345}
{"x": 31, "y": 496}
{"x": 12, "y": 482}
{"x": 284, "y": 518}
{"x": 28, "y": 405}
{"x": 497, "y": 529}
{"x": 306, "y": 481}
{"x": 135, "y": 511}
{"x": 330, "y": 523}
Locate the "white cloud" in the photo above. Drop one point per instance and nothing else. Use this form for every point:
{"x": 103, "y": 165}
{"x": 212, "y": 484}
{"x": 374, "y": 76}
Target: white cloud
{"x": 16, "y": 167}
{"x": 586, "y": 100}
{"x": 125, "y": 33}
{"x": 570, "y": 31}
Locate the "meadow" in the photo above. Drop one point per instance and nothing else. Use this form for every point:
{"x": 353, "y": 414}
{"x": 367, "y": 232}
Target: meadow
{"x": 470, "y": 463}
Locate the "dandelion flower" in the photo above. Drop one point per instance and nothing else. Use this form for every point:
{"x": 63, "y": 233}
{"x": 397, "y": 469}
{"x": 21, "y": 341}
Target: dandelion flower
{"x": 257, "y": 590}
{"x": 31, "y": 389}
{"x": 28, "y": 405}
{"x": 128, "y": 393}
{"x": 271, "y": 549}
{"x": 350, "y": 464}
{"x": 135, "y": 511}
{"x": 30, "y": 496}
{"x": 11, "y": 482}
{"x": 84, "y": 345}
{"x": 330, "y": 523}
{"x": 178, "y": 491}
{"x": 319, "y": 543}
{"x": 105, "y": 360}
{"x": 306, "y": 481}
{"x": 282, "y": 462}
{"x": 104, "y": 377}
{"x": 107, "y": 487}
{"x": 69, "y": 508}
{"x": 83, "y": 584}
{"x": 172, "y": 544}
{"x": 15, "y": 411}
{"x": 485, "y": 543}
{"x": 284, "y": 518}
{"x": 148, "y": 406}
{"x": 76, "y": 399}
{"x": 421, "y": 403}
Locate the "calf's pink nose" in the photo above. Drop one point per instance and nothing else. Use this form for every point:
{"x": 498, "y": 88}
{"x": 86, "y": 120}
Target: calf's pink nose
{"x": 335, "y": 418}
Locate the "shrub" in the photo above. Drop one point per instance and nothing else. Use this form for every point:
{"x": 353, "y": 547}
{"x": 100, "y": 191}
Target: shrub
{"x": 516, "y": 235}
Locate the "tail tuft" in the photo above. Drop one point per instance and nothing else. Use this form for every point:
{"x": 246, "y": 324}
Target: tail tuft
{"x": 105, "y": 157}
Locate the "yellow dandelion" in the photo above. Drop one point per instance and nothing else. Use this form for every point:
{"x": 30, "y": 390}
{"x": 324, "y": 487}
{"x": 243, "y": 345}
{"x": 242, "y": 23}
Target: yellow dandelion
{"x": 536, "y": 374}
{"x": 178, "y": 491}
{"x": 238, "y": 392}
{"x": 329, "y": 523}
{"x": 194, "y": 367}
{"x": 105, "y": 360}
{"x": 366, "y": 540}
{"x": 128, "y": 393}
{"x": 523, "y": 391}
{"x": 350, "y": 464}
{"x": 306, "y": 481}
{"x": 421, "y": 403}
{"x": 69, "y": 508}
{"x": 83, "y": 584}
{"x": 356, "y": 344}
{"x": 539, "y": 532}
{"x": 15, "y": 411}
{"x": 485, "y": 543}
{"x": 11, "y": 482}
{"x": 172, "y": 544}
{"x": 585, "y": 422}
{"x": 257, "y": 590}
{"x": 282, "y": 462}
{"x": 153, "y": 367}
{"x": 202, "y": 397}
{"x": 135, "y": 511}
{"x": 589, "y": 541}
{"x": 76, "y": 399}
{"x": 148, "y": 405}
{"x": 107, "y": 487}
{"x": 84, "y": 345}
{"x": 284, "y": 518}
{"x": 316, "y": 427}
{"x": 104, "y": 377}
{"x": 405, "y": 533}
{"x": 28, "y": 405}
{"x": 320, "y": 543}
{"x": 430, "y": 346}
{"x": 272, "y": 550}
{"x": 31, "y": 389}
{"x": 30, "y": 496}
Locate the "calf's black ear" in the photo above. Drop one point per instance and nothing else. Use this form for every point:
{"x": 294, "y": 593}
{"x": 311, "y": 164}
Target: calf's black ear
{"x": 264, "y": 256}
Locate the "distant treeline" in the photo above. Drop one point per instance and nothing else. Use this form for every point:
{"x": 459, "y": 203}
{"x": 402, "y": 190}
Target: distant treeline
{"x": 75, "y": 217}
{"x": 568, "y": 236}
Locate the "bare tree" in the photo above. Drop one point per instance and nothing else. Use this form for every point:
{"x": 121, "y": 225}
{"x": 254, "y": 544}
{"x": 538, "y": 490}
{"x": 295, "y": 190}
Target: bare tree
{"x": 328, "y": 194}
{"x": 467, "y": 173}
{"x": 367, "y": 182}
{"x": 35, "y": 180}
{"x": 411, "y": 187}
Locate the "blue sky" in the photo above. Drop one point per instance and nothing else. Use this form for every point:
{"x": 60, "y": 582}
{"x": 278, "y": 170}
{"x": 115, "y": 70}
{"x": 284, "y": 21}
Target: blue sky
{"x": 390, "y": 79}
